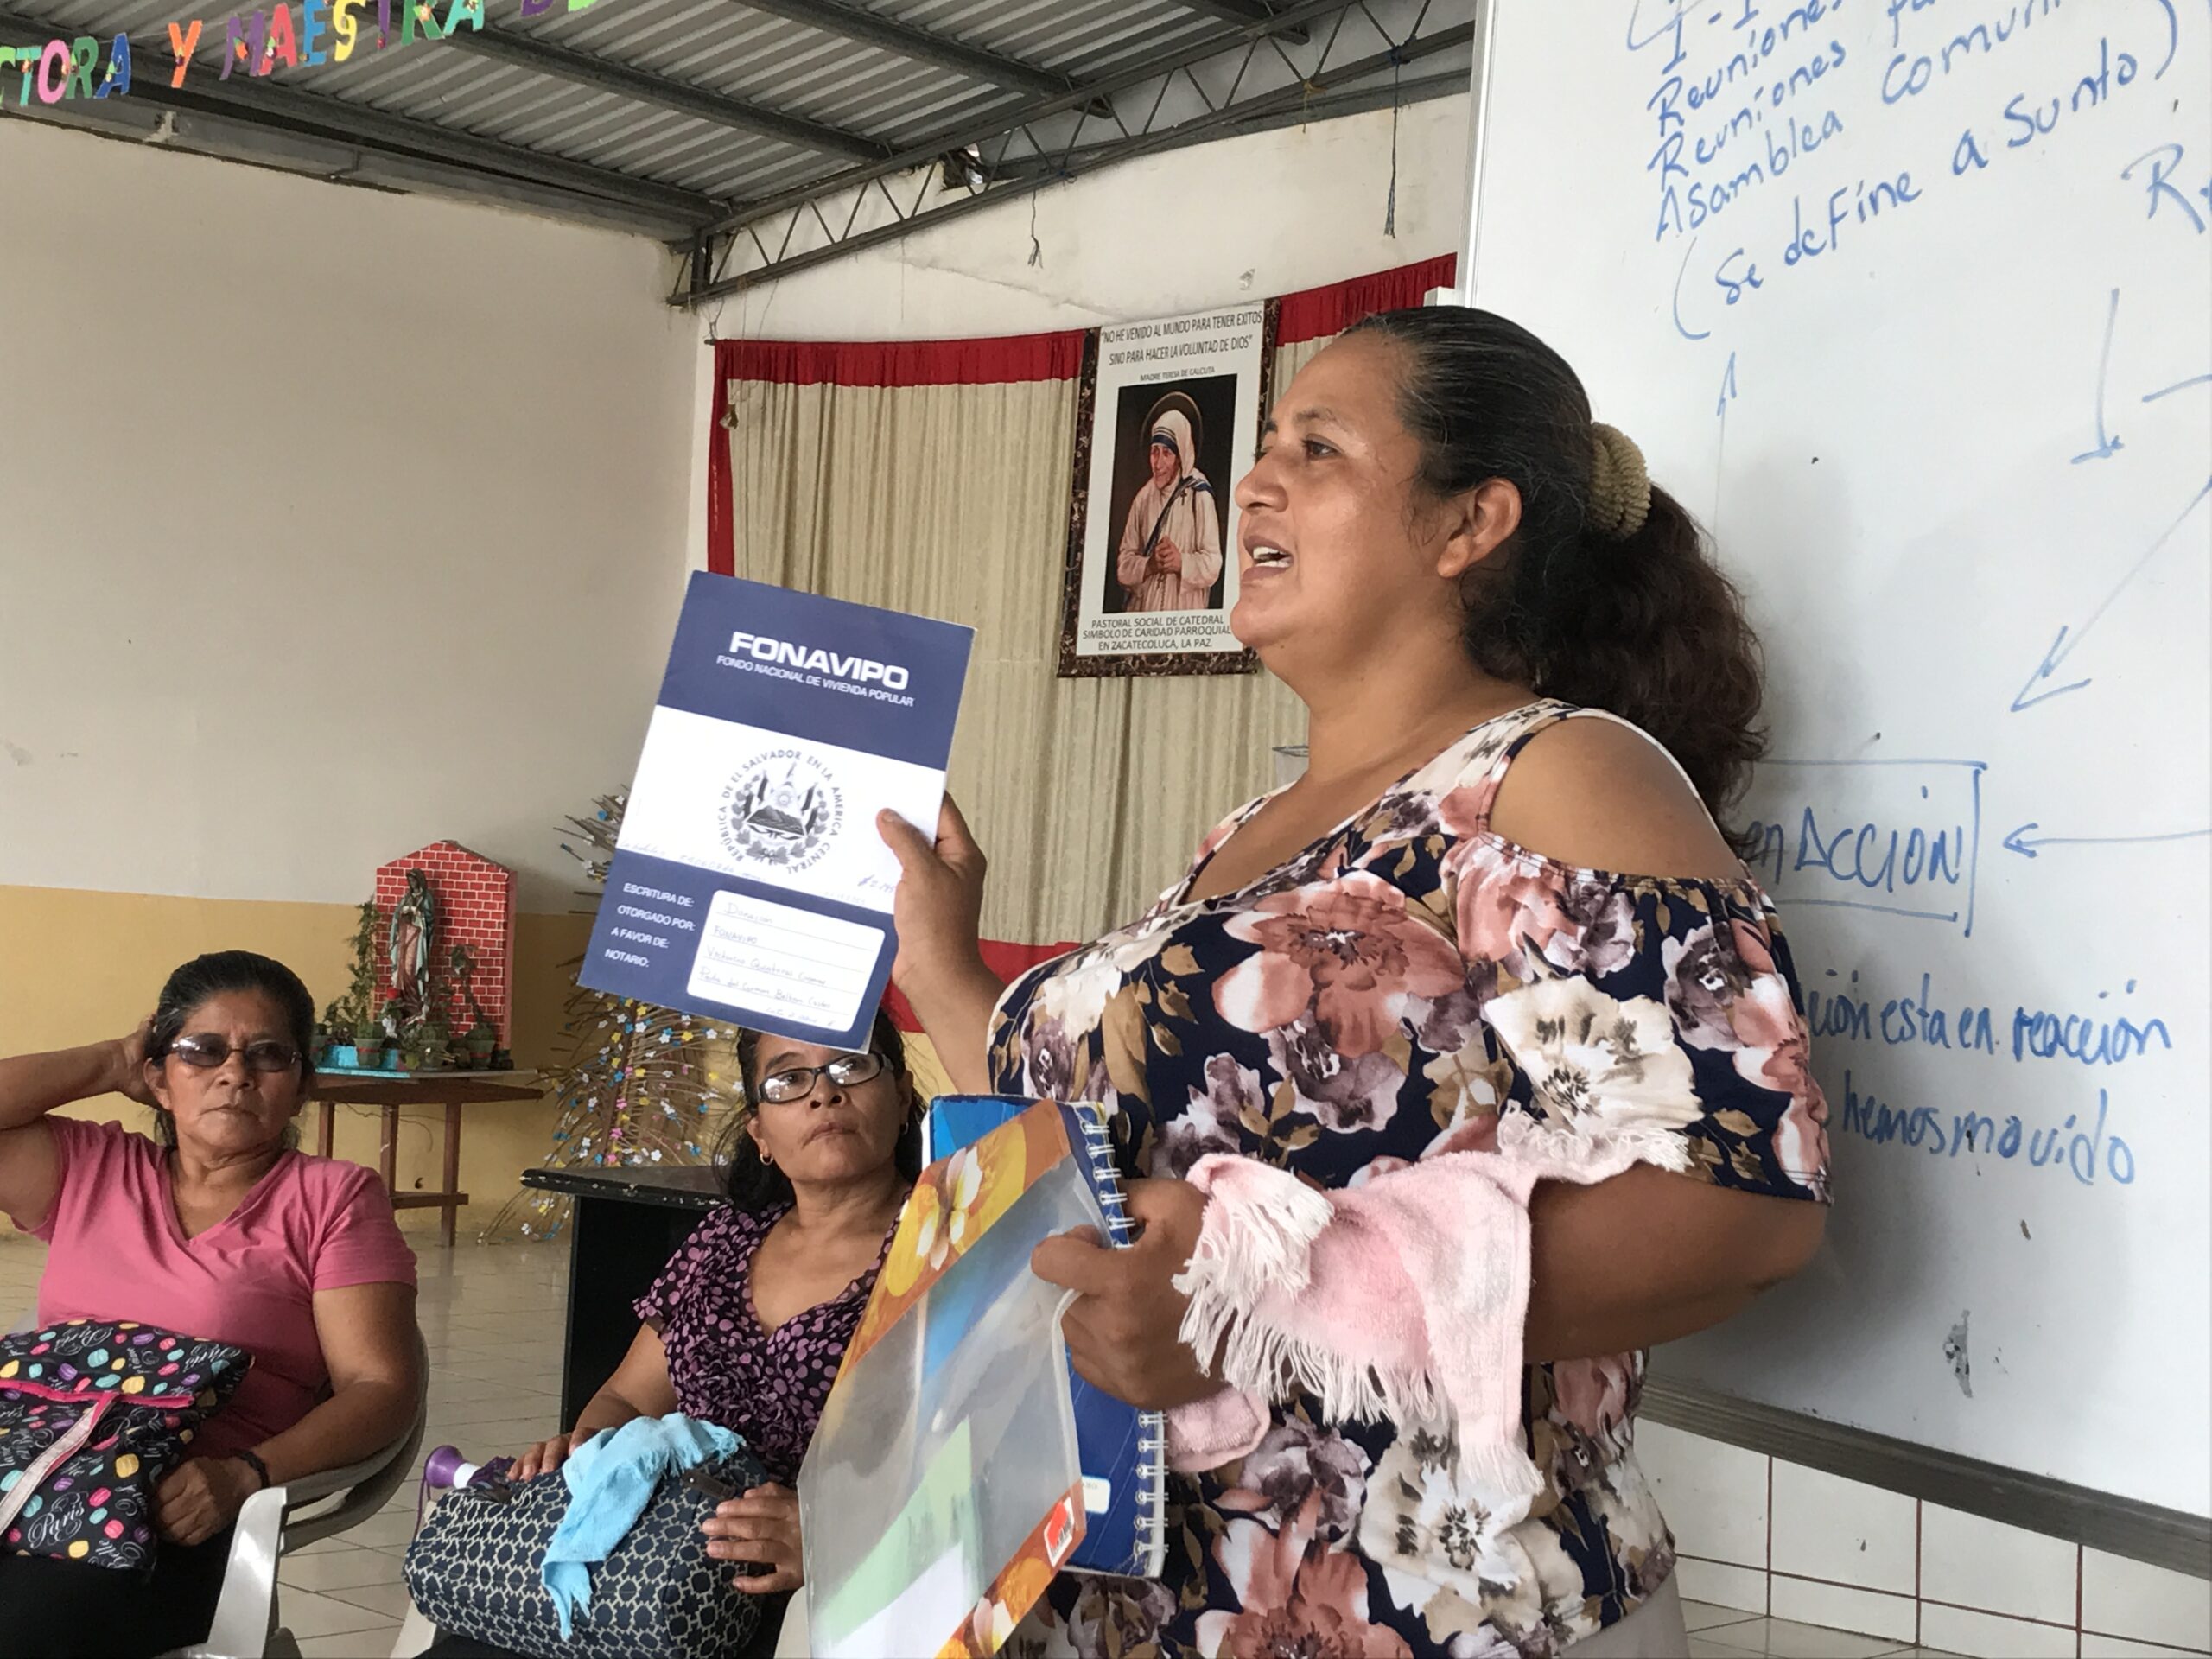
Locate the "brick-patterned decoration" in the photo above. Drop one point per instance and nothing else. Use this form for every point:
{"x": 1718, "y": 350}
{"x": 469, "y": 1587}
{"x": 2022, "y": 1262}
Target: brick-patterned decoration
{"x": 476, "y": 907}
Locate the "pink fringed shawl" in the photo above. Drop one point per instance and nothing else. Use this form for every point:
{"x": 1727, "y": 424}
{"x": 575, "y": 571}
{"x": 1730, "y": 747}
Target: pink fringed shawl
{"x": 1402, "y": 1297}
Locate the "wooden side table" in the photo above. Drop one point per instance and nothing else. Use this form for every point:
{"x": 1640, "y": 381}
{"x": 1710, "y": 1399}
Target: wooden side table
{"x": 451, "y": 1089}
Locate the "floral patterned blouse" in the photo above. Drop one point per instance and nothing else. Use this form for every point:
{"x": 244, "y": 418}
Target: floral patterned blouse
{"x": 1387, "y": 995}
{"x": 770, "y": 1386}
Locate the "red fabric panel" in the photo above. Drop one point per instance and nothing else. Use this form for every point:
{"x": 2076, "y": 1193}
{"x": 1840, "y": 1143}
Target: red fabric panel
{"x": 1317, "y": 313}
{"x": 902, "y": 362}
{"x": 1005, "y": 957}
{"x": 722, "y": 534}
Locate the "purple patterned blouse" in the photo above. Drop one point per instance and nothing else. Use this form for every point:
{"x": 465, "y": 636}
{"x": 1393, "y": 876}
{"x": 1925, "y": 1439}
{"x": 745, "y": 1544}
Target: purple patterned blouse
{"x": 769, "y": 1386}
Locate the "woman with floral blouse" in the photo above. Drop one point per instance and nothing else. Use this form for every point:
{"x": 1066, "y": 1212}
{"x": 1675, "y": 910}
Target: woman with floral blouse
{"x": 1464, "y": 1069}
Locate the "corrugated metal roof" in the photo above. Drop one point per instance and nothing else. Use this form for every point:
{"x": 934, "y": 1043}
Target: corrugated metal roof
{"x": 683, "y": 111}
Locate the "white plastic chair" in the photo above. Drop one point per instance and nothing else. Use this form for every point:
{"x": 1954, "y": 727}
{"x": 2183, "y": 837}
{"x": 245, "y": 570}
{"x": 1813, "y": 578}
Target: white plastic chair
{"x": 245, "y": 1615}
{"x": 282, "y": 1519}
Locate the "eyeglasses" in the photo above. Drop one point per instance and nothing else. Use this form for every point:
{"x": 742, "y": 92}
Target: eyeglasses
{"x": 205, "y": 1053}
{"x": 797, "y": 1082}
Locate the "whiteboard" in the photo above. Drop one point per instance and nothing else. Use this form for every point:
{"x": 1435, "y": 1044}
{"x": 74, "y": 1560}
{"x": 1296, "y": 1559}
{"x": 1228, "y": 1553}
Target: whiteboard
{"x": 1910, "y": 301}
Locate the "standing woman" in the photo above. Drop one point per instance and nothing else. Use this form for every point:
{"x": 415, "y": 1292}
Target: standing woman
{"x": 1475, "y": 1047}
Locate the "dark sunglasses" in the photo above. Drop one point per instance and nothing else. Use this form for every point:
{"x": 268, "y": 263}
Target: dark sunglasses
{"x": 797, "y": 1082}
{"x": 205, "y": 1053}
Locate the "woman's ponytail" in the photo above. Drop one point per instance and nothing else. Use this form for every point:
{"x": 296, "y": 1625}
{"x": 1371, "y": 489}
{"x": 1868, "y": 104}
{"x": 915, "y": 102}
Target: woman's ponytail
{"x": 1659, "y": 638}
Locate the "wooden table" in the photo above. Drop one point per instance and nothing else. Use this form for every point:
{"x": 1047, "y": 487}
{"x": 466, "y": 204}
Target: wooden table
{"x": 451, "y": 1089}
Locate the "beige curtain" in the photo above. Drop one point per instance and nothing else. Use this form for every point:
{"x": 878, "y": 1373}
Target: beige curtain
{"x": 951, "y": 500}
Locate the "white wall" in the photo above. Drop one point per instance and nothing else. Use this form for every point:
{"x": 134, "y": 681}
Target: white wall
{"x": 1770, "y": 1536}
{"x": 1268, "y": 213}
{"x": 336, "y": 521}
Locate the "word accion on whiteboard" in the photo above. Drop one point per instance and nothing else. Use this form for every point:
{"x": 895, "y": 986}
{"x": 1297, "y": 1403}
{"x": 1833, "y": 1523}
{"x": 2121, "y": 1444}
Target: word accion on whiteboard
{"x": 285, "y": 36}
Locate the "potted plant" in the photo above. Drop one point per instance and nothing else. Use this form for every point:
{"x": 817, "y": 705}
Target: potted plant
{"x": 434, "y": 1043}
{"x": 360, "y": 1000}
{"x": 482, "y": 1042}
{"x": 399, "y": 1034}
{"x": 483, "y": 1039}
{"x": 368, "y": 1042}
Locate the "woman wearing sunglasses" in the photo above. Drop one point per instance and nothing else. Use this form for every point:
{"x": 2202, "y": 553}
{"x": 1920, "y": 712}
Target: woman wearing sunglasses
{"x": 216, "y": 1228}
{"x": 747, "y": 1325}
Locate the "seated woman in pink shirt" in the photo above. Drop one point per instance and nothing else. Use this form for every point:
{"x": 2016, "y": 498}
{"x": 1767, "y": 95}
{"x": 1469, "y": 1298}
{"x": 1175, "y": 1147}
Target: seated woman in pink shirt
{"x": 215, "y": 1228}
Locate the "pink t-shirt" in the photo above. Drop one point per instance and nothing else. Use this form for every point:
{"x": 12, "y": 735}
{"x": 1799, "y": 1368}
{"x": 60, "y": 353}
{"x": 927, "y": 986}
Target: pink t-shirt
{"x": 309, "y": 1224}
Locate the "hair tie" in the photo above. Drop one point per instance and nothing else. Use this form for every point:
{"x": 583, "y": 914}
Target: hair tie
{"x": 1620, "y": 484}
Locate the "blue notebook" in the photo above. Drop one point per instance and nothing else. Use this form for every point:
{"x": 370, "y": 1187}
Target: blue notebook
{"x": 1124, "y": 1450}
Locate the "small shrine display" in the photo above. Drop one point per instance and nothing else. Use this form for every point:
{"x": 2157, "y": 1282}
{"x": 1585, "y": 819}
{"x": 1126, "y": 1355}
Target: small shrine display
{"x": 433, "y": 969}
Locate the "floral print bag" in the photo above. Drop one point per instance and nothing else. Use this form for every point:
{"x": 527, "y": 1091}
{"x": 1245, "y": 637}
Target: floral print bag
{"x": 92, "y": 1414}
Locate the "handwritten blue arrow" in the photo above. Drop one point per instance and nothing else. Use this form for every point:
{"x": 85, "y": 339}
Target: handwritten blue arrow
{"x": 2062, "y": 647}
{"x": 2029, "y": 846}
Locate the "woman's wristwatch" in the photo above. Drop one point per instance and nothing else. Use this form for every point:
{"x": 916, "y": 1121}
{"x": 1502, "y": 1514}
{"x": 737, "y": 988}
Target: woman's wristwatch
{"x": 252, "y": 1460}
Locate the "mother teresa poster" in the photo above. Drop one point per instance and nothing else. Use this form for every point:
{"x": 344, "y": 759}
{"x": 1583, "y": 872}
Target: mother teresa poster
{"x": 1170, "y": 422}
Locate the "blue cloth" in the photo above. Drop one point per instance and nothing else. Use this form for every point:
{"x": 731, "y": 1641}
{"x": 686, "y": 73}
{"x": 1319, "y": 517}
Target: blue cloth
{"x": 611, "y": 1478}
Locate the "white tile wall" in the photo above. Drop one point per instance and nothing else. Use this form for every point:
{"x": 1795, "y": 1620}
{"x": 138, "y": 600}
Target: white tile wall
{"x": 1714, "y": 1493}
{"x": 1722, "y": 1583}
{"x": 1828, "y": 1527}
{"x": 1843, "y": 1607}
{"x": 2149, "y": 1604}
{"x": 2000, "y": 1569}
{"x": 1768, "y": 1536}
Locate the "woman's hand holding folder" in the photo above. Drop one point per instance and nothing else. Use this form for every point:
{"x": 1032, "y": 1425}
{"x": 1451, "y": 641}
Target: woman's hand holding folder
{"x": 1123, "y": 1330}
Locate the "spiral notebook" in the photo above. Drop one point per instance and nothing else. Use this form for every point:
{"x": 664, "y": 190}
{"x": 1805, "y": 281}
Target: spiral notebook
{"x": 1123, "y": 1449}
{"x": 943, "y": 1489}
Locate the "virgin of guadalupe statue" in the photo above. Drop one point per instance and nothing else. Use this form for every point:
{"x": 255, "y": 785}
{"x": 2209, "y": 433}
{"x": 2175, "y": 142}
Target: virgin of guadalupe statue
{"x": 414, "y": 926}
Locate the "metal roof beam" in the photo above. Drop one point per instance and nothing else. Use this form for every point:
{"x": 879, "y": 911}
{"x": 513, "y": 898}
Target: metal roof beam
{"x": 1284, "y": 99}
{"x": 222, "y": 137}
{"x": 644, "y": 86}
{"x": 1239, "y": 11}
{"x": 267, "y": 103}
{"x": 1048, "y": 167}
{"x": 922, "y": 45}
{"x": 985, "y": 128}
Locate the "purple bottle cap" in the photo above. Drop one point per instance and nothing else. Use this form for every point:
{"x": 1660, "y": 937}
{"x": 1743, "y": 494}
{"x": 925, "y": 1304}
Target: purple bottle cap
{"x": 443, "y": 1465}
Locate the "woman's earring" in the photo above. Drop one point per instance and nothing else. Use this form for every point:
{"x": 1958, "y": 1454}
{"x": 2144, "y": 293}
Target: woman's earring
{"x": 761, "y": 1153}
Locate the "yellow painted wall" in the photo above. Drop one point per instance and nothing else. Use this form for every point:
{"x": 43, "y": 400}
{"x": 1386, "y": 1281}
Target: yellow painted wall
{"x": 76, "y": 967}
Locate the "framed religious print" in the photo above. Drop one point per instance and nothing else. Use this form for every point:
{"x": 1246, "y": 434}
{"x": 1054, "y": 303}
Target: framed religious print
{"x": 1169, "y": 420}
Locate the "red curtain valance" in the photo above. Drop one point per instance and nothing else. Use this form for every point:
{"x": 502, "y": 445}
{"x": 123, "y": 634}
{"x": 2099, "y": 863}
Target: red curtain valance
{"x": 902, "y": 362}
{"x": 1317, "y": 313}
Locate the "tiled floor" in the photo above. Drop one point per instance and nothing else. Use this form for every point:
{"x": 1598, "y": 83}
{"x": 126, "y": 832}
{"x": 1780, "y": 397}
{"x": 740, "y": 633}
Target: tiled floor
{"x": 1725, "y": 1633}
{"x": 492, "y": 1317}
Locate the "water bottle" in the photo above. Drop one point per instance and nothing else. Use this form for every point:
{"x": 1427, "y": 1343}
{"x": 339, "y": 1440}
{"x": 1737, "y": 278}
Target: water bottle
{"x": 446, "y": 1467}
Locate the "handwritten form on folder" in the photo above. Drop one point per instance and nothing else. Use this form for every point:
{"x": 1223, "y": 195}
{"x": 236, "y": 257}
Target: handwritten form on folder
{"x": 1907, "y": 299}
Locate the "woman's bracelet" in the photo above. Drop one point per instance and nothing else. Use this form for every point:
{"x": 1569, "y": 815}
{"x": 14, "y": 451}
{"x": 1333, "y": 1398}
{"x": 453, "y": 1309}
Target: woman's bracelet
{"x": 252, "y": 1460}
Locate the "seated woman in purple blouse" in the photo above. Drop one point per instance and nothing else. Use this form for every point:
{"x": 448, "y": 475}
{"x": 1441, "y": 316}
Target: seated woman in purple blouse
{"x": 747, "y": 1325}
